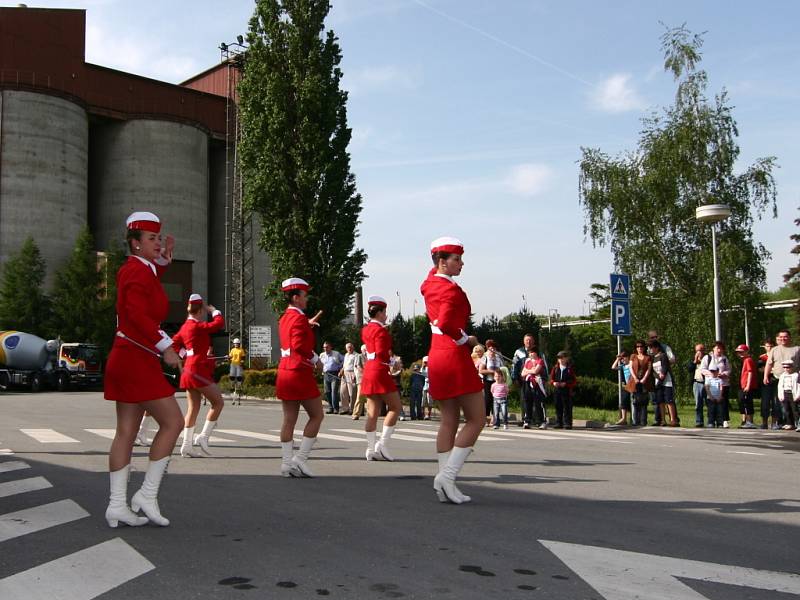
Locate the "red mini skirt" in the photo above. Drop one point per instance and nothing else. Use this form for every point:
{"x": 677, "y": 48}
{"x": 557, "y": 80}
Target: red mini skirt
{"x": 377, "y": 380}
{"x": 296, "y": 384}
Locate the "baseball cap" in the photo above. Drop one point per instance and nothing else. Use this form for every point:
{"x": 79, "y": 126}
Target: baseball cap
{"x": 742, "y": 348}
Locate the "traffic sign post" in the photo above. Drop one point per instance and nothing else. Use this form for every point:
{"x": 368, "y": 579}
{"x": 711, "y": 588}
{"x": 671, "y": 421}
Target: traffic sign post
{"x": 620, "y": 315}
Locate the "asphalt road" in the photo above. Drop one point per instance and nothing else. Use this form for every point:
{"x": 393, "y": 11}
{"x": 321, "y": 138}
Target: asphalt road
{"x": 649, "y": 513}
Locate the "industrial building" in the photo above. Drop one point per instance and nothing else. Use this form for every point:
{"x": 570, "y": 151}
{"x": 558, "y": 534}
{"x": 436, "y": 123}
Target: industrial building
{"x": 84, "y": 144}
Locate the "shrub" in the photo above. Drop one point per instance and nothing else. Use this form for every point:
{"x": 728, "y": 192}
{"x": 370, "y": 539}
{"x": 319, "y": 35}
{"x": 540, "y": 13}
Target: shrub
{"x": 596, "y": 393}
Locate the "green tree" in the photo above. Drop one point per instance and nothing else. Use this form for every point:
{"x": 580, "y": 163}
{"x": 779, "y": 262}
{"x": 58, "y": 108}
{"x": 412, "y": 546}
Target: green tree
{"x": 294, "y": 157}
{"x": 792, "y": 278}
{"x": 642, "y": 204}
{"x": 23, "y": 304}
{"x": 77, "y": 293}
{"x": 106, "y": 319}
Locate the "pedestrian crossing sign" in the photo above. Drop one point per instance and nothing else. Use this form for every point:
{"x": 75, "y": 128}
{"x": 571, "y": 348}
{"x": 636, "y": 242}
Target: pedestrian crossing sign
{"x": 620, "y": 286}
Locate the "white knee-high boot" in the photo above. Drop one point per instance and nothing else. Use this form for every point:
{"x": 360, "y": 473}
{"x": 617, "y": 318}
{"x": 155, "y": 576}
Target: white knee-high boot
{"x": 382, "y": 447}
{"x": 202, "y": 439}
{"x": 146, "y": 498}
{"x": 141, "y": 436}
{"x": 442, "y": 458}
{"x": 187, "y": 445}
{"x": 445, "y": 482}
{"x": 118, "y": 510}
{"x": 287, "y": 467}
{"x": 301, "y": 456}
{"x": 370, "y": 453}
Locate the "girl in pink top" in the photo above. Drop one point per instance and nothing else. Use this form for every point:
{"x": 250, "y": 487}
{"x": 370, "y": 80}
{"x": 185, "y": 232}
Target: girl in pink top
{"x": 500, "y": 395}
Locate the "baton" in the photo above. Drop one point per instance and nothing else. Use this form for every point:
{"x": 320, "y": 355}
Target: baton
{"x": 135, "y": 343}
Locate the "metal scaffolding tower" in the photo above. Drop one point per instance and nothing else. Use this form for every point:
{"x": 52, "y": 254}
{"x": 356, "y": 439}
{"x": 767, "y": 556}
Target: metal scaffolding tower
{"x": 239, "y": 232}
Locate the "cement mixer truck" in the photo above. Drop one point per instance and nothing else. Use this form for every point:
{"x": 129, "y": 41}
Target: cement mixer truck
{"x": 28, "y": 361}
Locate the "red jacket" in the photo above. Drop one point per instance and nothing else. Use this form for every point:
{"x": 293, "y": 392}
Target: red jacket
{"x": 448, "y": 310}
{"x": 297, "y": 341}
{"x": 195, "y": 336}
{"x": 141, "y": 305}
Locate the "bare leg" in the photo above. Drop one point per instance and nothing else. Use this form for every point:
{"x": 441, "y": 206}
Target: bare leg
{"x": 373, "y": 410}
{"x": 291, "y": 410}
{"x": 214, "y": 395}
{"x": 167, "y": 414}
{"x": 474, "y": 412}
{"x": 192, "y": 407}
{"x": 315, "y": 413}
{"x": 448, "y": 425}
{"x": 129, "y": 416}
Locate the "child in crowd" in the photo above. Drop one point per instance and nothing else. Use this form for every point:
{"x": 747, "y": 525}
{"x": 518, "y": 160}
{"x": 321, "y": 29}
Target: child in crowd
{"x": 500, "y": 394}
{"x": 624, "y": 368}
{"x": 535, "y": 392}
{"x": 714, "y": 397}
{"x": 563, "y": 379}
{"x": 789, "y": 395}
{"x": 748, "y": 384}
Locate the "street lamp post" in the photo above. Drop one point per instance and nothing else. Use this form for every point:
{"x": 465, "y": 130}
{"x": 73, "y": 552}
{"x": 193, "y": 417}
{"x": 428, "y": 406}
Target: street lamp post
{"x": 713, "y": 214}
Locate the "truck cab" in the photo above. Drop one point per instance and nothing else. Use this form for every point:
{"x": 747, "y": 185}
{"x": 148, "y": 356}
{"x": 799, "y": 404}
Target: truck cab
{"x": 78, "y": 364}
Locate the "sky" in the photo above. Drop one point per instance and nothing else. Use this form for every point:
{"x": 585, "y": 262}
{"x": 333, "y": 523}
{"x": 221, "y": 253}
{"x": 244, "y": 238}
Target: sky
{"x": 468, "y": 119}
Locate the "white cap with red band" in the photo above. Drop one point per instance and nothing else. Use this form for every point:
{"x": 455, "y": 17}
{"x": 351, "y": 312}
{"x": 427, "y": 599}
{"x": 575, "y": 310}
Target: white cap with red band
{"x": 145, "y": 221}
{"x": 447, "y": 244}
{"x": 294, "y": 283}
{"x": 376, "y": 301}
{"x": 195, "y": 299}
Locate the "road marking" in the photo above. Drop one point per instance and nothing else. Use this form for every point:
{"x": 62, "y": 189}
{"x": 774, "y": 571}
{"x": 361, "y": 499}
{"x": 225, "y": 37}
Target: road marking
{"x": 610, "y": 573}
{"x": 104, "y": 433}
{"x": 330, "y": 436}
{"x": 531, "y": 434}
{"x": 743, "y": 452}
{"x": 251, "y": 434}
{"x": 20, "y": 486}
{"x": 13, "y": 465}
{"x": 414, "y": 438}
{"x": 110, "y": 433}
{"x": 49, "y": 436}
{"x": 79, "y": 576}
{"x": 6, "y": 451}
{"x": 37, "y": 518}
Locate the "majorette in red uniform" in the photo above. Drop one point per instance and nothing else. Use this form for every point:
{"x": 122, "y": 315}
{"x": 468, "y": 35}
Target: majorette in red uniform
{"x": 194, "y": 337}
{"x": 452, "y": 376}
{"x": 378, "y": 340}
{"x": 377, "y": 384}
{"x": 296, "y": 380}
{"x": 133, "y": 371}
{"x": 451, "y": 372}
{"x": 192, "y": 342}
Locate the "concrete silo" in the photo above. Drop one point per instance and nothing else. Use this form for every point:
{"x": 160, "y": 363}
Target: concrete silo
{"x": 157, "y": 166}
{"x": 44, "y": 144}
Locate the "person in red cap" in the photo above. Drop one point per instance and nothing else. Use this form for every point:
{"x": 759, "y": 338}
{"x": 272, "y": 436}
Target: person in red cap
{"x": 748, "y": 384}
{"x": 296, "y": 384}
{"x": 377, "y": 384}
{"x": 193, "y": 342}
{"x": 134, "y": 379}
{"x": 453, "y": 379}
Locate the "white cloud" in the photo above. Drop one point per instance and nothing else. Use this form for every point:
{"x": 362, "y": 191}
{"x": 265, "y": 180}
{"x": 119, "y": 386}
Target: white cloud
{"x": 385, "y": 78}
{"x": 616, "y": 94}
{"x": 141, "y": 55}
{"x": 529, "y": 179}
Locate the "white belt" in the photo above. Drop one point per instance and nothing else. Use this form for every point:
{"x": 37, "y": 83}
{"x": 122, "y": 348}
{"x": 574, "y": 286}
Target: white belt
{"x": 371, "y": 356}
{"x": 189, "y": 352}
{"x": 436, "y": 330}
{"x": 286, "y": 352}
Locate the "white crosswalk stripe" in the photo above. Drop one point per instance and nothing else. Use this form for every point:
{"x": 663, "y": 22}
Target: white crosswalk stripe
{"x": 79, "y": 576}
{"x": 30, "y": 520}
{"x": 110, "y": 433}
{"x": 404, "y": 435}
{"x": 251, "y": 434}
{"x": 13, "y": 465}
{"x": 20, "y": 486}
{"x": 331, "y": 436}
{"x": 49, "y": 436}
{"x": 6, "y": 452}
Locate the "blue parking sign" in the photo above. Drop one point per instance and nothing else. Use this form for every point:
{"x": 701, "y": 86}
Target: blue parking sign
{"x": 620, "y": 317}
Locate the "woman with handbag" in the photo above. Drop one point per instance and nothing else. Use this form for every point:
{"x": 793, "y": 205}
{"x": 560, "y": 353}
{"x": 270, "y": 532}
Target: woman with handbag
{"x": 640, "y": 383}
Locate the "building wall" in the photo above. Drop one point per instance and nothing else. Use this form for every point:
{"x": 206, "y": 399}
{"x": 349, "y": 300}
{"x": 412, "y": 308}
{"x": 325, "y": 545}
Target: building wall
{"x": 156, "y": 166}
{"x": 43, "y": 155}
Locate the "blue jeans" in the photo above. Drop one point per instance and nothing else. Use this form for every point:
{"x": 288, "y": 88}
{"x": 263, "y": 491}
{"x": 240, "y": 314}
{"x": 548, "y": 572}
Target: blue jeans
{"x": 416, "y": 403}
{"x": 331, "y": 381}
{"x": 500, "y": 410}
{"x": 715, "y": 413}
{"x": 699, "y": 390}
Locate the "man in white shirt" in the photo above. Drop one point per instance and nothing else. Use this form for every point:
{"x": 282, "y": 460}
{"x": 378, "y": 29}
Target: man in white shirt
{"x": 348, "y": 375}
